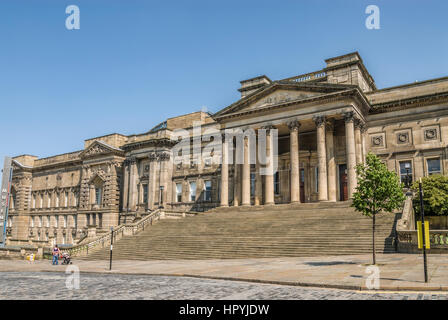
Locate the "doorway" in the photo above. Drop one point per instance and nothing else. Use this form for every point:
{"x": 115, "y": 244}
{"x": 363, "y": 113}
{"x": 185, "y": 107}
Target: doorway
{"x": 343, "y": 189}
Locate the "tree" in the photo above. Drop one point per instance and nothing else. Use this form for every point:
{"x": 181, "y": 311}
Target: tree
{"x": 378, "y": 190}
{"x": 435, "y": 195}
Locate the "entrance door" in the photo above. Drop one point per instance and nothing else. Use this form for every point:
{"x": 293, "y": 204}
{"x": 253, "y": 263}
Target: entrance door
{"x": 343, "y": 190}
{"x": 302, "y": 185}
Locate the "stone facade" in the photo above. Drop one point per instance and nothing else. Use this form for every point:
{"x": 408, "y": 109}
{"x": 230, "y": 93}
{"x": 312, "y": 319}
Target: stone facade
{"x": 327, "y": 121}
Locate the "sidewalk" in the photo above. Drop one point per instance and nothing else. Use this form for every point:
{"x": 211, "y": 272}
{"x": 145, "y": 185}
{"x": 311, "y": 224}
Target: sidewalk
{"x": 397, "y": 271}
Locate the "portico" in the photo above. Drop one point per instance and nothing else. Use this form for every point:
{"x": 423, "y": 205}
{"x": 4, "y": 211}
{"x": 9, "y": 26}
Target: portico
{"x": 307, "y": 162}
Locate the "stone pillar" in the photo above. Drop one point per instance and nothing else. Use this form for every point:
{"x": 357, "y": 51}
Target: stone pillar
{"x": 269, "y": 177}
{"x": 258, "y": 198}
{"x": 321, "y": 158}
{"x": 294, "y": 161}
{"x": 363, "y": 142}
{"x": 236, "y": 181}
{"x": 152, "y": 193}
{"x": 331, "y": 163}
{"x": 225, "y": 174}
{"x": 351, "y": 152}
{"x": 246, "y": 174}
{"x": 133, "y": 185}
{"x": 164, "y": 161}
{"x": 358, "y": 143}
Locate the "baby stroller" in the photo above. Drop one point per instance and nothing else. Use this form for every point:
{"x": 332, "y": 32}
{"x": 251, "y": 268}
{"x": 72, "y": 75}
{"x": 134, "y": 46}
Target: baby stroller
{"x": 67, "y": 258}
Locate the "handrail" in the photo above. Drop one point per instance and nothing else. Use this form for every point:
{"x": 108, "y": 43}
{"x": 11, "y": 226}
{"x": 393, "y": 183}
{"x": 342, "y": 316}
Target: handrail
{"x": 117, "y": 234}
{"x": 407, "y": 221}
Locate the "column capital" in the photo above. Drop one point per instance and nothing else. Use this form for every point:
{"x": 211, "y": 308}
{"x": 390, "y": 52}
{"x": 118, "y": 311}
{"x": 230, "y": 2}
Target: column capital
{"x": 358, "y": 122}
{"x": 293, "y": 125}
{"x": 329, "y": 125}
{"x": 319, "y": 120}
{"x": 268, "y": 127}
{"x": 349, "y": 116}
{"x": 363, "y": 127}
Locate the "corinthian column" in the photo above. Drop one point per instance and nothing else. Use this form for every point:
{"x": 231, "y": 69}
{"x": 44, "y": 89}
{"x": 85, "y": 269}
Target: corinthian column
{"x": 258, "y": 183}
{"x": 351, "y": 152}
{"x": 331, "y": 164}
{"x": 225, "y": 174}
{"x": 358, "y": 142}
{"x": 246, "y": 174}
{"x": 321, "y": 158}
{"x": 236, "y": 182}
{"x": 294, "y": 161}
{"x": 269, "y": 177}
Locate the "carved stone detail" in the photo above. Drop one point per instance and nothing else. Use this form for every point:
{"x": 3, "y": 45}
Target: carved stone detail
{"x": 294, "y": 125}
{"x": 319, "y": 120}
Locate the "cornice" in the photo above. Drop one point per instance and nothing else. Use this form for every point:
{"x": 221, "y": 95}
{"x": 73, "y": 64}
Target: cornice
{"x": 413, "y": 102}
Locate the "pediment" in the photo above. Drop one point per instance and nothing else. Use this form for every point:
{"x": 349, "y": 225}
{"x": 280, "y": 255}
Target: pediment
{"x": 281, "y": 92}
{"x": 98, "y": 148}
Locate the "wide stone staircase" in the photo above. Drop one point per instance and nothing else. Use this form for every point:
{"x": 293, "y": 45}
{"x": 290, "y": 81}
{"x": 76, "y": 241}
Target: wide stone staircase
{"x": 314, "y": 229}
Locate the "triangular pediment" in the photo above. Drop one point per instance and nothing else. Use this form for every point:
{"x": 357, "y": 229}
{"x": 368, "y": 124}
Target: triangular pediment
{"x": 281, "y": 92}
{"x": 98, "y": 148}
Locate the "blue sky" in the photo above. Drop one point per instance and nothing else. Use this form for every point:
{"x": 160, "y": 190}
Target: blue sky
{"x": 135, "y": 63}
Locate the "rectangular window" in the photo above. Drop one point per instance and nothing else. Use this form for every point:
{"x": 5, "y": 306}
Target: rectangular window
{"x": 406, "y": 172}
{"x": 434, "y": 166}
{"x": 98, "y": 196}
{"x": 145, "y": 193}
{"x": 178, "y": 192}
{"x": 208, "y": 190}
{"x": 277, "y": 183}
{"x": 192, "y": 191}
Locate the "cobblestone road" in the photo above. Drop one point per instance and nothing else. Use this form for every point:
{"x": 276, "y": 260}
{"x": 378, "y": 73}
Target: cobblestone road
{"x": 44, "y": 285}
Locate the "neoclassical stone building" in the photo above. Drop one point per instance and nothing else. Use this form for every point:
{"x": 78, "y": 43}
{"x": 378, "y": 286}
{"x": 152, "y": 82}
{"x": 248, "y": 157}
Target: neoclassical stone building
{"x": 327, "y": 121}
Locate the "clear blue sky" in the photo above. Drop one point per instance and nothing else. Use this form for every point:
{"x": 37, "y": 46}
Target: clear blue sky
{"x": 135, "y": 63}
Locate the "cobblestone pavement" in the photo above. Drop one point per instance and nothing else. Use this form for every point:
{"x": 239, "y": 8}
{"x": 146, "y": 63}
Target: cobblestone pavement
{"x": 52, "y": 285}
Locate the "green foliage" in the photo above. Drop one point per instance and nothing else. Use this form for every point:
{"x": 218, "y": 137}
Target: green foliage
{"x": 378, "y": 190}
{"x": 435, "y": 195}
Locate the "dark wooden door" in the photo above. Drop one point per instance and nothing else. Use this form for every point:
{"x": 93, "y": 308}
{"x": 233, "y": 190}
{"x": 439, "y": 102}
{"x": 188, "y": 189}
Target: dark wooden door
{"x": 343, "y": 190}
{"x": 302, "y": 185}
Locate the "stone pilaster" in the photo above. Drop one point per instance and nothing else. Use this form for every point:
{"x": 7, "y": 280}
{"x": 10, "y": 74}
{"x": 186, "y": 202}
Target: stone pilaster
{"x": 321, "y": 158}
{"x": 331, "y": 163}
{"x": 133, "y": 191}
{"x": 294, "y": 161}
{"x": 351, "y": 152}
{"x": 363, "y": 142}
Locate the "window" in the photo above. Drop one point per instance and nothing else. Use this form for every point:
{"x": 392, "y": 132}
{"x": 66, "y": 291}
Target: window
{"x": 208, "y": 190}
{"x": 98, "y": 196}
{"x": 192, "y": 191}
{"x": 277, "y": 183}
{"x": 66, "y": 199}
{"x": 178, "y": 192}
{"x": 434, "y": 166}
{"x": 145, "y": 193}
{"x": 405, "y": 172}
